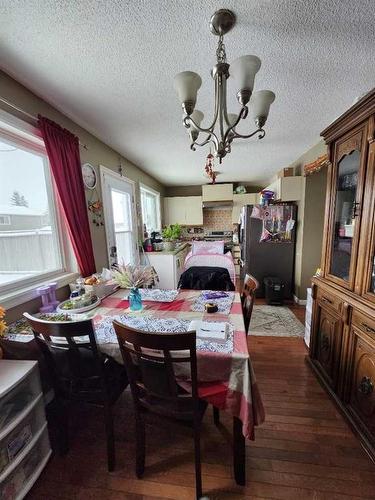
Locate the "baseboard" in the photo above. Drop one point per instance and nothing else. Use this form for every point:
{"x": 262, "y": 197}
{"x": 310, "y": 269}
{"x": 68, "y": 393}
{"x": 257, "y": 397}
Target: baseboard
{"x": 298, "y": 301}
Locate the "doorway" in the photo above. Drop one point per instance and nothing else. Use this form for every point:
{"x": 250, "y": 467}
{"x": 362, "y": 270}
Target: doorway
{"x": 120, "y": 217}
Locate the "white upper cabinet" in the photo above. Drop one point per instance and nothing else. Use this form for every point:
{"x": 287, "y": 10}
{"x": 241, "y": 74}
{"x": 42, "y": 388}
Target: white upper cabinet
{"x": 184, "y": 210}
{"x": 287, "y": 188}
{"x": 217, "y": 192}
{"x": 239, "y": 200}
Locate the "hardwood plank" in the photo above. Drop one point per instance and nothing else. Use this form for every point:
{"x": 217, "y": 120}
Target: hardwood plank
{"x": 304, "y": 449}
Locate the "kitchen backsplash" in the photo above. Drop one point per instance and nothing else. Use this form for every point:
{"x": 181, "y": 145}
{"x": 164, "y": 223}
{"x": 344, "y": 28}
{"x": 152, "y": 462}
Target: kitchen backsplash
{"x": 217, "y": 219}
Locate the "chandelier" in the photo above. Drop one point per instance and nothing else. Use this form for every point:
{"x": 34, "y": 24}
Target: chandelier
{"x": 222, "y": 130}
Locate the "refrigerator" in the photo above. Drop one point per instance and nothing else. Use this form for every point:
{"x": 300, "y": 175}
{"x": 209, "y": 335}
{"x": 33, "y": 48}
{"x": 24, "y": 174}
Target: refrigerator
{"x": 267, "y": 237}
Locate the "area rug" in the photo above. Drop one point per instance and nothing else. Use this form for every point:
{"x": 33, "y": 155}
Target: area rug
{"x": 275, "y": 321}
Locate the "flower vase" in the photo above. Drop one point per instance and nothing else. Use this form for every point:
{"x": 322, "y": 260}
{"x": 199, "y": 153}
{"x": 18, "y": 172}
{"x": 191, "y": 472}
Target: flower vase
{"x": 135, "y": 299}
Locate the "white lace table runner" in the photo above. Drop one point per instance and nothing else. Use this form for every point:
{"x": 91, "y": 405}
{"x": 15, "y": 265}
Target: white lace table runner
{"x": 224, "y": 304}
{"x": 105, "y": 333}
{"x": 156, "y": 295}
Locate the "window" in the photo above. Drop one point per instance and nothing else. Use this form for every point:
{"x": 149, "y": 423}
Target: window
{"x": 4, "y": 220}
{"x": 31, "y": 248}
{"x": 150, "y": 201}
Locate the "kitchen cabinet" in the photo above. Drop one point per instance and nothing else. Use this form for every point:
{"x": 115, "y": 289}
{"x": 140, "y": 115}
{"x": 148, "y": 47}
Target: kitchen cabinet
{"x": 217, "y": 192}
{"x": 342, "y": 348}
{"x": 169, "y": 266}
{"x": 236, "y": 253}
{"x": 239, "y": 200}
{"x": 361, "y": 377}
{"x": 287, "y": 188}
{"x": 328, "y": 335}
{"x": 184, "y": 210}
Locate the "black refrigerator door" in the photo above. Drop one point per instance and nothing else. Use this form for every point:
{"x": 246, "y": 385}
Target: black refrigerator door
{"x": 264, "y": 259}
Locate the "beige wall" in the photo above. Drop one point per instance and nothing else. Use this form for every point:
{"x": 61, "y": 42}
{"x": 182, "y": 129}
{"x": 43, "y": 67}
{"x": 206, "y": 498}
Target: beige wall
{"x": 183, "y": 190}
{"x": 97, "y": 154}
{"x": 313, "y": 234}
{"x": 197, "y": 190}
{"x": 309, "y": 221}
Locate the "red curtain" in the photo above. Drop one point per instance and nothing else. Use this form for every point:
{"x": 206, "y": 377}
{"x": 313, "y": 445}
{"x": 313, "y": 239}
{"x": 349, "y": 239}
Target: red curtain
{"x": 63, "y": 153}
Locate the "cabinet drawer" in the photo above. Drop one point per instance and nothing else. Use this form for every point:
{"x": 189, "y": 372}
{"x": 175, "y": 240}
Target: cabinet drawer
{"x": 23, "y": 433}
{"x": 329, "y": 300}
{"x": 20, "y": 479}
{"x": 362, "y": 380}
{"x": 17, "y": 400}
{"x": 364, "y": 323}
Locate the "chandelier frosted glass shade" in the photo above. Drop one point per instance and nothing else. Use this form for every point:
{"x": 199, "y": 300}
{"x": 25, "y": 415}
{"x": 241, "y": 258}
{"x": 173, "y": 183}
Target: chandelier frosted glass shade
{"x": 197, "y": 116}
{"x": 222, "y": 130}
{"x": 260, "y": 103}
{"x": 243, "y": 70}
{"x": 187, "y": 84}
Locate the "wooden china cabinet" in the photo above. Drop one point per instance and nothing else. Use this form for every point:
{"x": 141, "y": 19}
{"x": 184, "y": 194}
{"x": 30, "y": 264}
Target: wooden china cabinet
{"x": 342, "y": 348}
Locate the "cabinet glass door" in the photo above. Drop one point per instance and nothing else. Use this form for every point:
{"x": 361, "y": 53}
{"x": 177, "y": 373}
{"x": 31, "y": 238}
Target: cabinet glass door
{"x": 347, "y": 195}
{"x": 368, "y": 230}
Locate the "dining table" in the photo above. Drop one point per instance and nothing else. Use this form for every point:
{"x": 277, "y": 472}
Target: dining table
{"x": 226, "y": 377}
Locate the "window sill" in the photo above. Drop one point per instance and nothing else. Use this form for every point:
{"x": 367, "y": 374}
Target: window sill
{"x": 27, "y": 293}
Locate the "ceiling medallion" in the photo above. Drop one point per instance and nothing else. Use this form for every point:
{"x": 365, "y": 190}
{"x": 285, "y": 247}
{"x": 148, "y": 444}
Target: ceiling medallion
{"x": 222, "y": 130}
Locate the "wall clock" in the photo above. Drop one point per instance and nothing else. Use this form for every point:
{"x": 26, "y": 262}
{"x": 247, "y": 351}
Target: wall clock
{"x": 89, "y": 176}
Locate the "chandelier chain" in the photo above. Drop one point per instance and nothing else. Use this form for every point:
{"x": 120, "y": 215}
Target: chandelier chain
{"x": 220, "y": 51}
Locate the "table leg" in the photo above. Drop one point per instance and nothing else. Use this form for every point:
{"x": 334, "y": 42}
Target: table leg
{"x": 239, "y": 452}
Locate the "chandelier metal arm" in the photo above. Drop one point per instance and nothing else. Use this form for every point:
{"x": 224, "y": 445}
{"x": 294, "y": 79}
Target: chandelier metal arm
{"x": 231, "y": 129}
{"x": 209, "y": 139}
{"x": 259, "y": 131}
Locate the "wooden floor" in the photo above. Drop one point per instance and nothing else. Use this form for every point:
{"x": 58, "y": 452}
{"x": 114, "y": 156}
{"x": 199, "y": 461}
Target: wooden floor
{"x": 304, "y": 450}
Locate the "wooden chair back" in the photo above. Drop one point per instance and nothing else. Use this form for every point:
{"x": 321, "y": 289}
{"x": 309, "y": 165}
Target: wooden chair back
{"x": 250, "y": 286}
{"x": 71, "y": 351}
{"x": 150, "y": 359}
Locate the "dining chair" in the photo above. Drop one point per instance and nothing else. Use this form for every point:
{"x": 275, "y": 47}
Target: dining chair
{"x": 250, "y": 286}
{"x": 80, "y": 372}
{"x": 154, "y": 385}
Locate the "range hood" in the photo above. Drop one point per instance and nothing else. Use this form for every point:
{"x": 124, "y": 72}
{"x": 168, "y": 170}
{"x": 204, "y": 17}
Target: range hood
{"x": 218, "y": 204}
{"x": 217, "y": 195}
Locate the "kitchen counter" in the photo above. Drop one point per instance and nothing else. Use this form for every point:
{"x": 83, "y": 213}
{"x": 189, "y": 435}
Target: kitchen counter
{"x": 178, "y": 249}
{"x": 169, "y": 265}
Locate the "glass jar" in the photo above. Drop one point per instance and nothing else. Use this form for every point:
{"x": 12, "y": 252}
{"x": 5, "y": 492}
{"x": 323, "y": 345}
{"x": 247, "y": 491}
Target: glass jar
{"x": 135, "y": 299}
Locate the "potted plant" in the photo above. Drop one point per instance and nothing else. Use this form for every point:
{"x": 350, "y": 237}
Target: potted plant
{"x": 170, "y": 235}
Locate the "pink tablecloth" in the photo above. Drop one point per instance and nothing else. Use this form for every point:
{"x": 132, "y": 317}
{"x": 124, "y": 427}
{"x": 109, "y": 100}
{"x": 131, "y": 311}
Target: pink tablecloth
{"x": 227, "y": 379}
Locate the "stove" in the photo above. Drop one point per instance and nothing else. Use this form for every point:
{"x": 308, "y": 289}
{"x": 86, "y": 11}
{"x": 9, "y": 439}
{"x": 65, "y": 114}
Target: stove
{"x": 218, "y": 235}
{"x": 227, "y": 236}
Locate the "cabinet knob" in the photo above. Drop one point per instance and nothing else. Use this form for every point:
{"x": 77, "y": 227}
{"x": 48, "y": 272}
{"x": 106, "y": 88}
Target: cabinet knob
{"x": 326, "y": 301}
{"x": 367, "y": 328}
{"x": 366, "y": 386}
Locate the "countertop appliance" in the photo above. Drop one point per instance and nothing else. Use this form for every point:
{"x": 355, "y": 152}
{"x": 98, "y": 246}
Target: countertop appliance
{"x": 267, "y": 258}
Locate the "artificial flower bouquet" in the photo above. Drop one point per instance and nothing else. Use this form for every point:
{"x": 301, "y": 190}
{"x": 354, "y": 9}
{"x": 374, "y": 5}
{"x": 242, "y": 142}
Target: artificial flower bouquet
{"x": 3, "y": 325}
{"x": 129, "y": 276}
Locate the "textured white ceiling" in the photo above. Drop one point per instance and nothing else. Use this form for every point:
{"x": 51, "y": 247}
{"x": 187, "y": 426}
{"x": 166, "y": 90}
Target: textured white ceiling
{"x": 109, "y": 65}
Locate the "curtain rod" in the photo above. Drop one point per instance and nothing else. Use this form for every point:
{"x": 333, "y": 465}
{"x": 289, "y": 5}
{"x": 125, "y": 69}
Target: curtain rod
{"x": 31, "y": 117}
